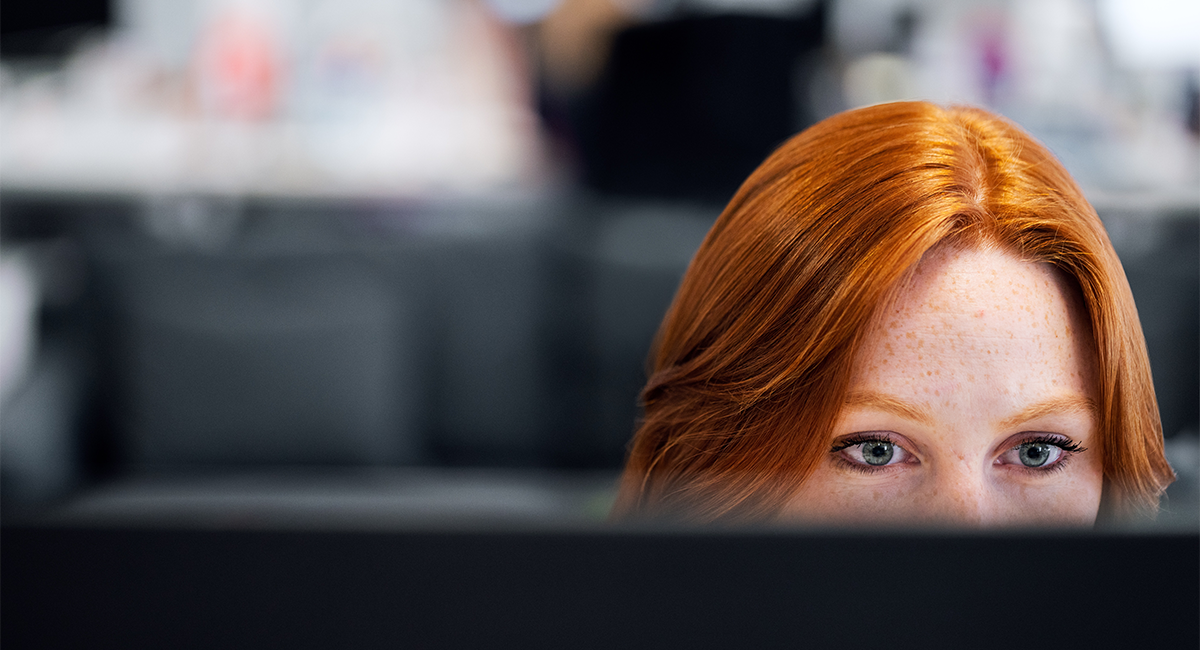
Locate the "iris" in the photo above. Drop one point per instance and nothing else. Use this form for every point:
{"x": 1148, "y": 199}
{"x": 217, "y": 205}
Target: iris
{"x": 1034, "y": 454}
{"x": 878, "y": 452}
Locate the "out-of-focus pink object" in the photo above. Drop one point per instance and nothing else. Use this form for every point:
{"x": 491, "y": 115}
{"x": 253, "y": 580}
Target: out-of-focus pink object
{"x": 238, "y": 68}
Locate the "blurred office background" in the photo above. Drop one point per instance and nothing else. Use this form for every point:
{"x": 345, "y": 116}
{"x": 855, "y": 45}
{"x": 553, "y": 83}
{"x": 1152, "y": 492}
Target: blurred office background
{"x": 386, "y": 260}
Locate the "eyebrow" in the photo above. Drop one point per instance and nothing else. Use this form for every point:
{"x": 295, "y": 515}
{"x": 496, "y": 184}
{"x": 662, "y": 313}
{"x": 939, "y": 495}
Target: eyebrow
{"x": 919, "y": 414}
{"x": 891, "y": 405}
{"x": 1065, "y": 404}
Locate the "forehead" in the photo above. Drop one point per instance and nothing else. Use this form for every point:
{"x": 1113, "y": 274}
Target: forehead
{"x": 952, "y": 278}
{"x": 981, "y": 314}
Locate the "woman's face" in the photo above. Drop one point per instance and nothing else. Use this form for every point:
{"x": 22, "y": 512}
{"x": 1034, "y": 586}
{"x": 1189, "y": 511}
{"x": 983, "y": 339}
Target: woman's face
{"x": 972, "y": 403}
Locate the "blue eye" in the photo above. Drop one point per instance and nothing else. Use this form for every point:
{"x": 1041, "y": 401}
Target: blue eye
{"x": 1044, "y": 452}
{"x": 870, "y": 453}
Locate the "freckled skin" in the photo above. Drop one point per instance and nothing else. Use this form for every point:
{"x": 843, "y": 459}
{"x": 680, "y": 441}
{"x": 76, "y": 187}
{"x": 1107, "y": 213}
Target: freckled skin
{"x": 976, "y": 336}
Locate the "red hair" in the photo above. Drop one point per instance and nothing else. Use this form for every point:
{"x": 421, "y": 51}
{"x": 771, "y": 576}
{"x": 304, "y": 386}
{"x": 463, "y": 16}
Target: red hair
{"x": 752, "y": 362}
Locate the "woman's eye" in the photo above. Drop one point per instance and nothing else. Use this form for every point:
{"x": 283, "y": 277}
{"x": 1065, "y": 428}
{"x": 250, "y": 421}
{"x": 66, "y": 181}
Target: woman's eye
{"x": 1033, "y": 455}
{"x": 875, "y": 453}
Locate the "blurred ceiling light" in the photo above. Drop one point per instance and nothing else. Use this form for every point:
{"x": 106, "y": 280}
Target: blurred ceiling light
{"x": 1153, "y": 33}
{"x": 522, "y": 12}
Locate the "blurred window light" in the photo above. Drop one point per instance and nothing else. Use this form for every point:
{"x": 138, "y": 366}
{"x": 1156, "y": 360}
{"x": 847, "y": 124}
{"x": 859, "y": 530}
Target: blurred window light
{"x": 522, "y": 12}
{"x": 1153, "y": 33}
{"x": 278, "y": 97}
{"x": 863, "y": 26}
{"x": 878, "y": 78}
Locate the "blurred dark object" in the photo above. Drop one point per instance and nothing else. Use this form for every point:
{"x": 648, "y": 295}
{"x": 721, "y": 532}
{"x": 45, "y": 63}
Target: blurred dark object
{"x": 259, "y": 357}
{"x": 230, "y": 334}
{"x": 688, "y": 108}
{"x": 616, "y": 269}
{"x": 49, "y": 27}
{"x": 329, "y": 335}
{"x": 1160, "y": 256}
{"x": 562, "y": 588}
{"x": 1193, "y": 106}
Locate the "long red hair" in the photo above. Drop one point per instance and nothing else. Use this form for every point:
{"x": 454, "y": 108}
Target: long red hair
{"x": 752, "y": 362}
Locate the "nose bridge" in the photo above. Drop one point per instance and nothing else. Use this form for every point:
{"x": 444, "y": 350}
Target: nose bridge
{"x": 960, "y": 494}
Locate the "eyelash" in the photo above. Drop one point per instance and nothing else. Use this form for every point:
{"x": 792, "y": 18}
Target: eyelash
{"x": 1068, "y": 446}
{"x": 1062, "y": 442}
{"x": 858, "y": 439}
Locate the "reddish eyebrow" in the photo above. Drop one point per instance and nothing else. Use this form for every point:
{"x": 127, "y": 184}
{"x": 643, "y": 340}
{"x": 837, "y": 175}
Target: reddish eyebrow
{"x": 1067, "y": 404}
{"x": 888, "y": 404}
{"x": 891, "y": 405}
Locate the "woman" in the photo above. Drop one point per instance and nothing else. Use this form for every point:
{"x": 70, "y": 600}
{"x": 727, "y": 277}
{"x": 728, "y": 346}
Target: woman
{"x": 906, "y": 314}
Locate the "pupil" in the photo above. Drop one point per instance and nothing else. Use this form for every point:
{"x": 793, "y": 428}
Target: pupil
{"x": 878, "y": 453}
{"x": 1034, "y": 455}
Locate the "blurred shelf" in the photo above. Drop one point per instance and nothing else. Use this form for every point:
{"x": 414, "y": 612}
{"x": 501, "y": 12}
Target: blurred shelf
{"x": 355, "y": 498}
{"x": 1163, "y": 202}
